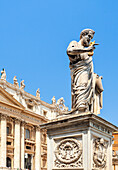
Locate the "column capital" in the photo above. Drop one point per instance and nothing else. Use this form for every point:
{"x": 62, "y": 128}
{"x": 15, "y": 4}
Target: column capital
{"x": 23, "y": 123}
{"x": 17, "y": 121}
{"x": 37, "y": 128}
{"x": 44, "y": 131}
{"x": 3, "y": 116}
{"x": 9, "y": 119}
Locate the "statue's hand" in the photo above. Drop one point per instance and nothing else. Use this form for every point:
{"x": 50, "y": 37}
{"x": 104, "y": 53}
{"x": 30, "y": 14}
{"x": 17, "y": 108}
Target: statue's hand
{"x": 91, "y": 48}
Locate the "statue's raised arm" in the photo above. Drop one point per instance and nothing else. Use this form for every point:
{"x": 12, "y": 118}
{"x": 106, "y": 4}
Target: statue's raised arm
{"x": 81, "y": 66}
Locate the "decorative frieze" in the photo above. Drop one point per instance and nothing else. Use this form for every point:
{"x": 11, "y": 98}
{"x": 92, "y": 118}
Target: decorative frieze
{"x": 101, "y": 128}
{"x": 68, "y": 153}
{"x": 10, "y": 109}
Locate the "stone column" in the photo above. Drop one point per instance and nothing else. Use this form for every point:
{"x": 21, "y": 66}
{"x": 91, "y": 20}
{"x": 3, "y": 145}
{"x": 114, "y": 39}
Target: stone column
{"x": 22, "y": 145}
{"x": 17, "y": 144}
{"x": 38, "y": 149}
{"x": 3, "y": 140}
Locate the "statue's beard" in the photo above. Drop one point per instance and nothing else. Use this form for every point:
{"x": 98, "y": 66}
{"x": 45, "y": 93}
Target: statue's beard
{"x": 86, "y": 41}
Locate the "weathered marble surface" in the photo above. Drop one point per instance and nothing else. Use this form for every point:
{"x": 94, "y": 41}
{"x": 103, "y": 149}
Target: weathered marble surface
{"x": 83, "y": 80}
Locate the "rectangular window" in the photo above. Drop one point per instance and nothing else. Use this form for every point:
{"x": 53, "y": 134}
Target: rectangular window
{"x": 27, "y": 134}
{"x": 7, "y": 130}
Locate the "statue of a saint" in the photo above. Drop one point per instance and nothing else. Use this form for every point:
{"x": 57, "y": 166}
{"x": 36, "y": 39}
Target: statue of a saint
{"x": 38, "y": 93}
{"x": 22, "y": 85}
{"x": 53, "y": 100}
{"x": 81, "y": 66}
{"x": 3, "y": 74}
{"x": 15, "y": 82}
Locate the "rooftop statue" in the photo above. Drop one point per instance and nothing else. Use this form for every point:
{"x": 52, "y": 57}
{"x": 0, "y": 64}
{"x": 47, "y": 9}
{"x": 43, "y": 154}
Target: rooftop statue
{"x": 85, "y": 85}
{"x": 3, "y": 74}
{"x": 15, "y": 82}
{"x": 22, "y": 85}
{"x": 38, "y": 93}
{"x": 53, "y": 100}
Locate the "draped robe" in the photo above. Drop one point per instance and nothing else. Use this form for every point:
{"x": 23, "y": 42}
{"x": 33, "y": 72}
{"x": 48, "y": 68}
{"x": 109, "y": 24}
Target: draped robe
{"x": 81, "y": 67}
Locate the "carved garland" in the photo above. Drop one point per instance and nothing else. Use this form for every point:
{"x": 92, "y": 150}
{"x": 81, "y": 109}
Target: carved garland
{"x": 68, "y": 151}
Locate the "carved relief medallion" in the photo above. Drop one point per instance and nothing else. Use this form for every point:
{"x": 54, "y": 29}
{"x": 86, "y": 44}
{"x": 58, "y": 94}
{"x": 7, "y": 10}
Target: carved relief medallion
{"x": 100, "y": 152}
{"x": 68, "y": 151}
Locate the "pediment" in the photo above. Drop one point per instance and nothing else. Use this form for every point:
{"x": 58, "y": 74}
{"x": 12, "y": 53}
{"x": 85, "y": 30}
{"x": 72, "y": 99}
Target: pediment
{"x": 7, "y": 98}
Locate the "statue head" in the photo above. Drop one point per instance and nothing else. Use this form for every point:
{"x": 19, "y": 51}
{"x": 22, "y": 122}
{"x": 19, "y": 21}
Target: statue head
{"x": 86, "y": 36}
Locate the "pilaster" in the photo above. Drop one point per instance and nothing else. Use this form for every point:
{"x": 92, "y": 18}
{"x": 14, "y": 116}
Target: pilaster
{"x": 38, "y": 149}
{"x": 17, "y": 144}
{"x": 3, "y": 140}
{"x": 22, "y": 145}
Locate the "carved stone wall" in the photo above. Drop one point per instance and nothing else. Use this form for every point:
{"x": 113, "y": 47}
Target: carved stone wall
{"x": 68, "y": 154}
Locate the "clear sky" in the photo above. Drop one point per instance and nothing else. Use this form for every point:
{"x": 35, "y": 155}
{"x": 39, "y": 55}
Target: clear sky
{"x": 34, "y": 35}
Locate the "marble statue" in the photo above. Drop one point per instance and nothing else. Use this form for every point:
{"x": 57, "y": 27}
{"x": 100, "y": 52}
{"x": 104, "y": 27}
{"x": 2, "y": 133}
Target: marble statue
{"x": 15, "y": 82}
{"x": 53, "y": 100}
{"x": 81, "y": 65}
{"x": 22, "y": 85}
{"x": 38, "y": 93}
{"x": 3, "y": 74}
{"x": 61, "y": 106}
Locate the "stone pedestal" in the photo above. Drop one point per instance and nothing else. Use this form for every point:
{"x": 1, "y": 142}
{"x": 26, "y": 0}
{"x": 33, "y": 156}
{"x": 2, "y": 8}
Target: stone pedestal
{"x": 79, "y": 141}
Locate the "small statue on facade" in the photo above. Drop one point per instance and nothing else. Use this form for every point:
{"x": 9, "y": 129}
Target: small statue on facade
{"x": 15, "y": 82}
{"x": 38, "y": 93}
{"x": 83, "y": 87}
{"x": 53, "y": 100}
{"x": 3, "y": 74}
{"x": 61, "y": 106}
{"x": 22, "y": 85}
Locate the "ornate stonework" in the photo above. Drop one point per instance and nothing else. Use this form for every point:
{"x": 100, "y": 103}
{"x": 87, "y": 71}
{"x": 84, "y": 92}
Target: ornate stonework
{"x": 99, "y": 153}
{"x": 37, "y": 128}
{"x": 17, "y": 121}
{"x": 3, "y": 116}
{"x": 61, "y": 106}
{"x": 68, "y": 153}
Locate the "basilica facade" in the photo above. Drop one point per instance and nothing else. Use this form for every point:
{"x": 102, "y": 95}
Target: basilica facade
{"x": 23, "y": 145}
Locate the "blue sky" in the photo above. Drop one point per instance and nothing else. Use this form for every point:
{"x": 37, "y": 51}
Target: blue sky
{"x": 34, "y": 35}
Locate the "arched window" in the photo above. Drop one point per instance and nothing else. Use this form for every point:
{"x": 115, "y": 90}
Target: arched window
{"x": 27, "y": 134}
{"x": 8, "y": 162}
